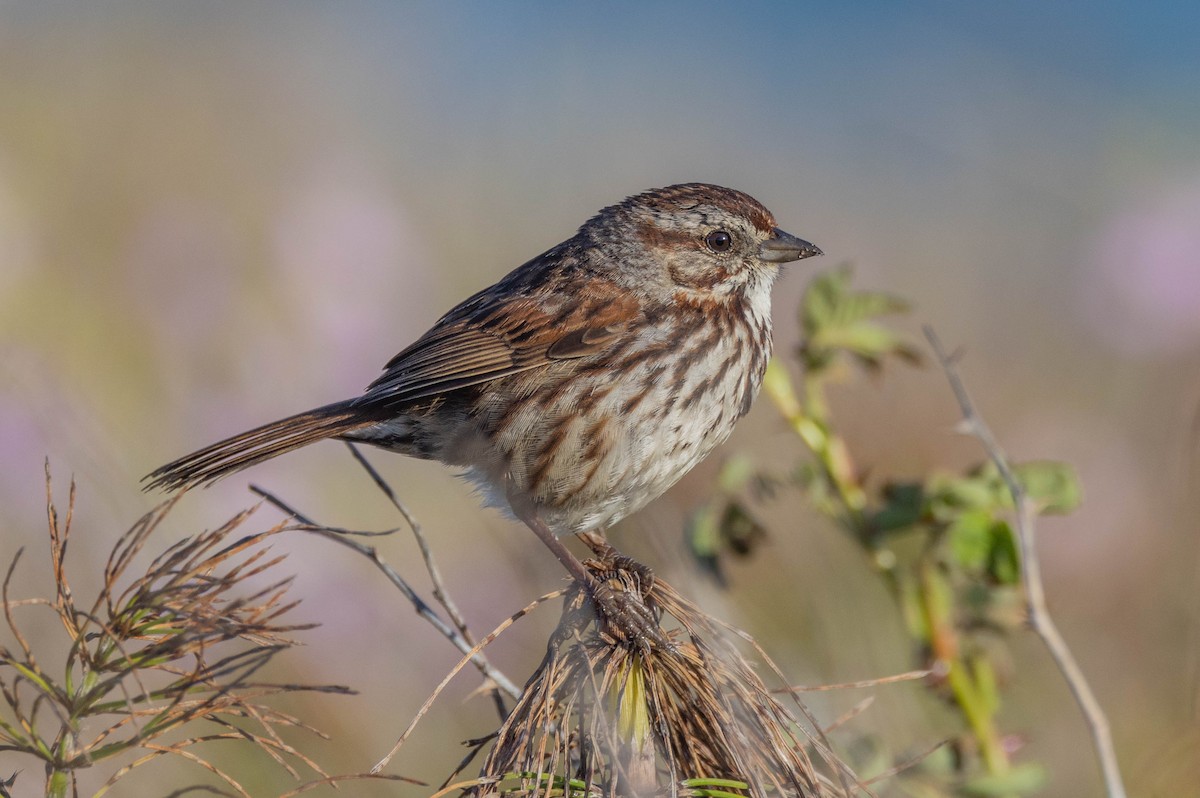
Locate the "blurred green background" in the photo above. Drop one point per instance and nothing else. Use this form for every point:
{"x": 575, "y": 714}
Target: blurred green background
{"x": 216, "y": 214}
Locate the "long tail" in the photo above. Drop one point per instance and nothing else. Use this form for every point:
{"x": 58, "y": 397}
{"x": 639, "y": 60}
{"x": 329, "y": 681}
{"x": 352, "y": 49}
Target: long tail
{"x": 261, "y": 443}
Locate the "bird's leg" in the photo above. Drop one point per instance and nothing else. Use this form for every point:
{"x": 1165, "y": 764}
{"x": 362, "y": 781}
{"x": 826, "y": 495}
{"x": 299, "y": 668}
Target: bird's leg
{"x": 629, "y": 615}
{"x": 598, "y": 544}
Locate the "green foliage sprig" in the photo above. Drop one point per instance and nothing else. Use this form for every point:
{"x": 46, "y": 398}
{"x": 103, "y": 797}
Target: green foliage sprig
{"x": 943, "y": 542}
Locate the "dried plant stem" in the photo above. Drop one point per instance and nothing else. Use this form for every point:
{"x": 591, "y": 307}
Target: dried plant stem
{"x": 337, "y": 780}
{"x": 907, "y": 676}
{"x": 431, "y": 567}
{"x": 911, "y": 762}
{"x": 1039, "y": 615}
{"x": 419, "y": 604}
{"x": 604, "y": 716}
{"x": 435, "y": 574}
{"x": 158, "y": 652}
{"x": 507, "y": 622}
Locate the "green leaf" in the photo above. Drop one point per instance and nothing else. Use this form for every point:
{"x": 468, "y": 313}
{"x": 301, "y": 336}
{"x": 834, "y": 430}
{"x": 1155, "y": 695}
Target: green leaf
{"x": 1022, "y": 779}
{"x": 739, "y": 530}
{"x": 824, "y": 295}
{"x": 830, "y": 302}
{"x": 951, "y": 496}
{"x": 1054, "y": 486}
{"x": 904, "y": 506}
{"x": 703, "y": 539}
{"x": 632, "y": 710}
{"x": 735, "y": 473}
{"x": 836, "y": 318}
{"x": 708, "y": 782}
{"x": 970, "y": 537}
{"x": 703, "y": 536}
{"x": 1004, "y": 559}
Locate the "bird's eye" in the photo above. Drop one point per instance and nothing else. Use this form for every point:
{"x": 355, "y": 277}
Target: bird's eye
{"x": 718, "y": 241}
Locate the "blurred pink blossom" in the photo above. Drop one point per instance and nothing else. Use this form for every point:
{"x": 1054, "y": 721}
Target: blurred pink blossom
{"x": 352, "y": 267}
{"x": 23, "y": 447}
{"x": 182, "y": 273}
{"x": 1142, "y": 284}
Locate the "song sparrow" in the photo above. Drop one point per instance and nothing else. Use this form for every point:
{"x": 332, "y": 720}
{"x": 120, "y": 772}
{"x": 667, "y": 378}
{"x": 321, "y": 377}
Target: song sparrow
{"x": 584, "y": 383}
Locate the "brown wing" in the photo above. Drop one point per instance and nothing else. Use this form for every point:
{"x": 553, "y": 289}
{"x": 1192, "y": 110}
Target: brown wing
{"x": 491, "y": 336}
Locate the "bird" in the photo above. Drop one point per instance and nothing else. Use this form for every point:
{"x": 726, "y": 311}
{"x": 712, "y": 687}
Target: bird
{"x": 584, "y": 383}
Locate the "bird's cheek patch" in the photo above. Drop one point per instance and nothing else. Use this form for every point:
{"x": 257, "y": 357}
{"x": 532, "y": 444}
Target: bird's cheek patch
{"x": 697, "y": 274}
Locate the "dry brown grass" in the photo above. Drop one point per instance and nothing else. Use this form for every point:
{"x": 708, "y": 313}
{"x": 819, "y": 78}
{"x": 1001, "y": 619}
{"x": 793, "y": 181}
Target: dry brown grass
{"x": 165, "y": 660}
{"x": 156, "y": 651}
{"x": 603, "y": 716}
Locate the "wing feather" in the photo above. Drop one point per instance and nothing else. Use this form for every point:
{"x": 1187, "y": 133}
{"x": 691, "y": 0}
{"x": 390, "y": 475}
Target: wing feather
{"x": 486, "y": 339}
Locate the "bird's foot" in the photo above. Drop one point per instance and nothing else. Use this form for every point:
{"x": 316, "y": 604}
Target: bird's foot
{"x": 621, "y": 590}
{"x": 610, "y": 563}
{"x": 623, "y": 595}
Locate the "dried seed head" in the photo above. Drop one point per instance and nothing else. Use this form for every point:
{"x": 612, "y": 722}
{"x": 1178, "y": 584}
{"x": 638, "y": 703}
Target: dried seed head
{"x": 606, "y": 717}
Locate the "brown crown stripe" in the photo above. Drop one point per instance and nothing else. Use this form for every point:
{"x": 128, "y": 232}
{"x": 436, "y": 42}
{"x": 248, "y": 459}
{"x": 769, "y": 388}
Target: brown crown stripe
{"x": 687, "y": 196}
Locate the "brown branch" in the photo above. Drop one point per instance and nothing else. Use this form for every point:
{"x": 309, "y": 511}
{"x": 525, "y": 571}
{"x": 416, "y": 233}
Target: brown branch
{"x": 1035, "y": 598}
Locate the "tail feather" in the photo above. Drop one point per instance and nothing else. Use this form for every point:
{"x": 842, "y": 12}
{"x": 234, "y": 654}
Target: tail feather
{"x": 254, "y": 446}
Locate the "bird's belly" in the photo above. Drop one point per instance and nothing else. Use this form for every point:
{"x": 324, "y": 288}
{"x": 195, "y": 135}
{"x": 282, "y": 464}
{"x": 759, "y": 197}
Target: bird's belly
{"x": 589, "y": 452}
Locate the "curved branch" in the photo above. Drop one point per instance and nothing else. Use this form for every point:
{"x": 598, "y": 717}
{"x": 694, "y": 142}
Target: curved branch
{"x": 1031, "y": 576}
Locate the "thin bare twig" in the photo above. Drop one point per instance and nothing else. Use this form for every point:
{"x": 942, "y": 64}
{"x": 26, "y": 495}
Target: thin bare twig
{"x": 907, "y": 676}
{"x": 507, "y": 622}
{"x": 435, "y": 574}
{"x": 336, "y": 780}
{"x": 419, "y": 604}
{"x": 911, "y": 762}
{"x": 1035, "y": 598}
{"x": 849, "y": 715}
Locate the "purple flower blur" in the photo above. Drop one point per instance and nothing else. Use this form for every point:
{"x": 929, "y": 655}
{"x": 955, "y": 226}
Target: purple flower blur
{"x": 1142, "y": 287}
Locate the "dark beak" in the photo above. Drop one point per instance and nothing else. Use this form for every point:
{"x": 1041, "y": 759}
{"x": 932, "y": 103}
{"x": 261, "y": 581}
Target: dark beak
{"x": 784, "y": 247}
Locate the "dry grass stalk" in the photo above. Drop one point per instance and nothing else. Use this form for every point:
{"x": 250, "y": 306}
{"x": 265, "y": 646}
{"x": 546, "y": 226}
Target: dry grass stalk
{"x": 605, "y": 717}
{"x": 155, "y": 652}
